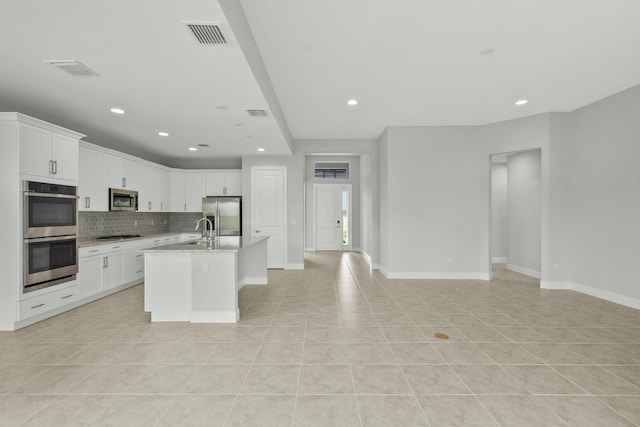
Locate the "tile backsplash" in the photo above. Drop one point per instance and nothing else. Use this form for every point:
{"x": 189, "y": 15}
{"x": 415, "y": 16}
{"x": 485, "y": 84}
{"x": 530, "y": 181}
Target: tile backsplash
{"x": 96, "y": 224}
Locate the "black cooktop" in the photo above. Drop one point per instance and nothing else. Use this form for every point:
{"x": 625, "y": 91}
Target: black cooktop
{"x": 118, "y": 236}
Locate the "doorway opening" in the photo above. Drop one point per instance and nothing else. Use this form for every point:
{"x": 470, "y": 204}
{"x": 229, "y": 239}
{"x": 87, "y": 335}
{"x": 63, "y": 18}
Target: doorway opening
{"x": 516, "y": 212}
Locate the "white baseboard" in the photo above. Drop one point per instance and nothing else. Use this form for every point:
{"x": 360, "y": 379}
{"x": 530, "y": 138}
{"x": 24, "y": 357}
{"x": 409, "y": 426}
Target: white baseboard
{"x": 367, "y": 257}
{"x": 7, "y": 326}
{"x": 433, "y": 275}
{"x": 524, "y": 270}
{"x": 547, "y": 284}
{"x": 294, "y": 266}
{"x": 607, "y": 295}
{"x": 500, "y": 259}
{"x": 253, "y": 281}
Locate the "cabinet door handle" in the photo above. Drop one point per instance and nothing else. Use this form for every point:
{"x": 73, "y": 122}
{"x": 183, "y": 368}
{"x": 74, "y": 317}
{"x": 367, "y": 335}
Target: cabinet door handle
{"x": 224, "y": 190}
{"x": 55, "y": 167}
{"x": 161, "y": 206}
{"x": 104, "y": 262}
{"x": 185, "y": 207}
{"x": 139, "y": 271}
{"x": 36, "y": 306}
{"x": 94, "y": 250}
{"x": 51, "y": 167}
{"x": 68, "y": 296}
{"x": 149, "y": 203}
{"x": 115, "y": 247}
{"x": 124, "y": 182}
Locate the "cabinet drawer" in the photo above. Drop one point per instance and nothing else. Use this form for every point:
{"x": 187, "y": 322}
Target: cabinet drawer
{"x": 43, "y": 303}
{"x": 98, "y": 250}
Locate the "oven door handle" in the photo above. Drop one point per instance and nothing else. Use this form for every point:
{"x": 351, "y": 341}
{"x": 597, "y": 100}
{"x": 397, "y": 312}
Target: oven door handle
{"x": 54, "y": 196}
{"x": 51, "y": 239}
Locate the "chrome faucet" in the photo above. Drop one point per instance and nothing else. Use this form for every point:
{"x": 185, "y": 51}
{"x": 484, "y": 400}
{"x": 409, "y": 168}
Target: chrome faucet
{"x": 204, "y": 228}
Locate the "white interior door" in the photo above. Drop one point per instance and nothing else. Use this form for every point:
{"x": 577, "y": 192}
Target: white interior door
{"x": 329, "y": 217}
{"x": 268, "y": 208}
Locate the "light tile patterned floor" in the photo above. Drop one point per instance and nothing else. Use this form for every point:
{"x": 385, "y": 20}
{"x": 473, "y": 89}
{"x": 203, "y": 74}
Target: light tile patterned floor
{"x": 334, "y": 344}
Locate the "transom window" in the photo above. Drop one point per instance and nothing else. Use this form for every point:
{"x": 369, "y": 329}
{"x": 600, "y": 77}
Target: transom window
{"x": 331, "y": 170}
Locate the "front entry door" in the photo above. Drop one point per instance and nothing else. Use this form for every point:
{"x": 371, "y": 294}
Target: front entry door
{"x": 331, "y": 217}
{"x": 268, "y": 203}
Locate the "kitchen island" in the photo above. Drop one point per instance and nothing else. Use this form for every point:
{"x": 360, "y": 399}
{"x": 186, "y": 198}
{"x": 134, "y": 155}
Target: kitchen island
{"x": 198, "y": 281}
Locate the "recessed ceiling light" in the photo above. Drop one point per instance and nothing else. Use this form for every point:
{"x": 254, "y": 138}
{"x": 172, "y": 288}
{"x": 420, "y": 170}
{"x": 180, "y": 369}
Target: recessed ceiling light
{"x": 521, "y": 102}
{"x": 163, "y": 134}
{"x": 488, "y": 51}
{"x": 352, "y": 102}
{"x": 193, "y": 149}
{"x": 260, "y": 149}
{"x": 117, "y": 111}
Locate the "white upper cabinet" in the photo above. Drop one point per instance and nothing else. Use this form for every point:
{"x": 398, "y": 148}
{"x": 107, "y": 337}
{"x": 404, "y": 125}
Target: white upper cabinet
{"x": 224, "y": 183}
{"x": 93, "y": 187}
{"x": 196, "y": 189}
{"x": 153, "y": 192}
{"x": 47, "y": 153}
{"x": 177, "y": 191}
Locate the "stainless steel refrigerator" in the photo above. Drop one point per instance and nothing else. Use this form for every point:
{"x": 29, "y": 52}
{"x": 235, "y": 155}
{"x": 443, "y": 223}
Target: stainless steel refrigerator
{"x": 225, "y": 214}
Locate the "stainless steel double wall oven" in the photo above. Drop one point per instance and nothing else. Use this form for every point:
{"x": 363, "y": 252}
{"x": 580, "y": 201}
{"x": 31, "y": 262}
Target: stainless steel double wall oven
{"x": 50, "y": 234}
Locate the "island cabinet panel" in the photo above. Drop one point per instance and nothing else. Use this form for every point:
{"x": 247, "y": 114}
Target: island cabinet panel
{"x": 198, "y": 281}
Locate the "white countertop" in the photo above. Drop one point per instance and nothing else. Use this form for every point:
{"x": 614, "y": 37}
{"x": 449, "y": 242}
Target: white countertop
{"x": 83, "y": 242}
{"x": 219, "y": 244}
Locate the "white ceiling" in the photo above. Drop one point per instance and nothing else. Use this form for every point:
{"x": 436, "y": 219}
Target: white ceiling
{"x": 148, "y": 63}
{"x": 408, "y": 62}
{"x": 418, "y": 62}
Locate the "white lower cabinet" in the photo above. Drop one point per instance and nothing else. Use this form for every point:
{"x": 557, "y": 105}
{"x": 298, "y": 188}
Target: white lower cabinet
{"x": 133, "y": 265}
{"x": 113, "y": 270}
{"x": 90, "y": 273}
{"x": 45, "y": 302}
{"x": 105, "y": 267}
{"x": 100, "y": 269}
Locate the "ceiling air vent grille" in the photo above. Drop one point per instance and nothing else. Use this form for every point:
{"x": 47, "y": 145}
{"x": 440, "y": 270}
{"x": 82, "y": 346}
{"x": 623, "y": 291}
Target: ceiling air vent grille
{"x": 256, "y": 112}
{"x": 207, "y": 33}
{"x": 73, "y": 67}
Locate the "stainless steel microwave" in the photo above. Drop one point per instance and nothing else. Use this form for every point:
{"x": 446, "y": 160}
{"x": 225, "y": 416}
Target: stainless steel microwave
{"x": 123, "y": 200}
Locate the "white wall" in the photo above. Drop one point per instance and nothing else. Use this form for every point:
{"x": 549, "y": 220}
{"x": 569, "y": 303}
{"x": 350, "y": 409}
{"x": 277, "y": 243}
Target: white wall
{"x": 440, "y": 177}
{"x": 605, "y": 196}
{"x": 354, "y": 180}
{"x": 434, "y": 203}
{"x": 499, "y": 212}
{"x": 295, "y": 205}
{"x": 524, "y": 207}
